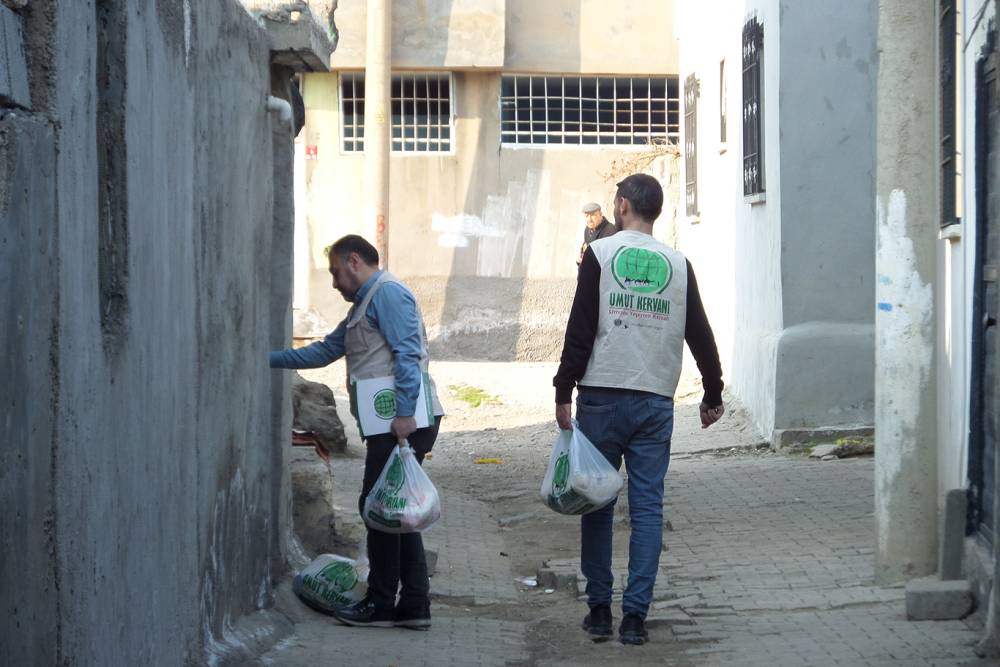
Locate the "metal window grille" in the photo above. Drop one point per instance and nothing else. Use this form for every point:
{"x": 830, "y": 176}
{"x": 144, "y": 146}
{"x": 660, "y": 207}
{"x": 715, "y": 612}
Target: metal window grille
{"x": 691, "y": 144}
{"x": 946, "y": 45}
{"x": 753, "y": 107}
{"x": 588, "y": 110}
{"x": 352, "y": 112}
{"x": 421, "y": 112}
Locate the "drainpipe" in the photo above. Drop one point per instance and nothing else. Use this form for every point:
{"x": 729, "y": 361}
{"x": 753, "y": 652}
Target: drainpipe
{"x": 906, "y": 500}
{"x": 281, "y": 107}
{"x": 378, "y": 76}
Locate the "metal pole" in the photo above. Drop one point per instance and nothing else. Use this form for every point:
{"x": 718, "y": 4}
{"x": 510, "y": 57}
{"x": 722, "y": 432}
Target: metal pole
{"x": 378, "y": 77}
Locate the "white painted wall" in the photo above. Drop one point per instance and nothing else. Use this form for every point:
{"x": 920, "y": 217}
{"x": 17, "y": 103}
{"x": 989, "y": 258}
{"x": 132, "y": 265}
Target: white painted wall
{"x": 735, "y": 246}
{"x": 709, "y": 239}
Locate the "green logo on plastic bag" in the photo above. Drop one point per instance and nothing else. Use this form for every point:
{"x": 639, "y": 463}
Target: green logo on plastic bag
{"x": 560, "y": 476}
{"x": 385, "y": 404}
{"x": 640, "y": 270}
{"x": 341, "y": 576}
{"x": 395, "y": 476}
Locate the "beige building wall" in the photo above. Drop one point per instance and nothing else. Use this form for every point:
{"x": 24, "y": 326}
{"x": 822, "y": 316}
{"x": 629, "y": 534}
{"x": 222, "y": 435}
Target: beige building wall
{"x": 590, "y": 36}
{"x": 487, "y": 235}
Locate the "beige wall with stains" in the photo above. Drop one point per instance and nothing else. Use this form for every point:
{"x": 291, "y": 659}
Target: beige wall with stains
{"x": 481, "y": 210}
{"x": 588, "y": 36}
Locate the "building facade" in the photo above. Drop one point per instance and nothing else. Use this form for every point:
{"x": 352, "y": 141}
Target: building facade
{"x": 506, "y": 117}
{"x": 777, "y": 174}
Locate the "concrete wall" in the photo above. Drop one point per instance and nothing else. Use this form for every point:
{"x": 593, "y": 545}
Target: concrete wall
{"x": 142, "y": 476}
{"x": 483, "y": 211}
{"x": 591, "y": 36}
{"x": 453, "y": 34}
{"x": 518, "y": 35}
{"x": 827, "y": 97}
{"x": 788, "y": 277}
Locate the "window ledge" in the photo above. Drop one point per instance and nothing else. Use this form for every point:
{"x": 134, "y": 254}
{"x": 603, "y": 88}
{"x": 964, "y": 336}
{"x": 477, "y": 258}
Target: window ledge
{"x": 694, "y": 219}
{"x": 754, "y": 199}
{"x": 952, "y": 232}
{"x": 723, "y": 147}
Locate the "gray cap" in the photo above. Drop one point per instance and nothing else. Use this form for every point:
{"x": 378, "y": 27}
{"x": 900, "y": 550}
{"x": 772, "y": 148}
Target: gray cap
{"x": 591, "y": 207}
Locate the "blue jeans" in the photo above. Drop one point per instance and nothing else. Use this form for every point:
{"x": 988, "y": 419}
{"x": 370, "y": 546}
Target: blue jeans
{"x": 636, "y": 425}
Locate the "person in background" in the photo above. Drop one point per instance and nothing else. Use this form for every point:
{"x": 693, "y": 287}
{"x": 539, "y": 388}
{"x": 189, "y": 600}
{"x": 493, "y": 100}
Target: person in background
{"x": 597, "y": 227}
{"x": 382, "y": 335}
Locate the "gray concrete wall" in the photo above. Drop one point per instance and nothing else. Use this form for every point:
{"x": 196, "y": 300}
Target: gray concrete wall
{"x": 145, "y": 470}
{"x": 825, "y": 362}
{"x": 906, "y": 490}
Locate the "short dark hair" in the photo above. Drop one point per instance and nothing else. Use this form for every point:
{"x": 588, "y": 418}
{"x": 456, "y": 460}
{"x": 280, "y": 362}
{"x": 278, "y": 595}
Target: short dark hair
{"x": 645, "y": 193}
{"x": 354, "y": 243}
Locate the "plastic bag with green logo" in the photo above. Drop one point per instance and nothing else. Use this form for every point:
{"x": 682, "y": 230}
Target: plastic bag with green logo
{"x": 332, "y": 581}
{"x": 403, "y": 499}
{"x": 579, "y": 479}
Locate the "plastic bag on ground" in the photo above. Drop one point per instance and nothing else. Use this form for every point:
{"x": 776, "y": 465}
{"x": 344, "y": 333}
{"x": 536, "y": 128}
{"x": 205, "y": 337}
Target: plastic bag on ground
{"x": 579, "y": 479}
{"x": 403, "y": 499}
{"x": 332, "y": 581}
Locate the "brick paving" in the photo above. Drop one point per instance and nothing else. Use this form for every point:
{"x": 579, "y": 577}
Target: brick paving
{"x": 769, "y": 560}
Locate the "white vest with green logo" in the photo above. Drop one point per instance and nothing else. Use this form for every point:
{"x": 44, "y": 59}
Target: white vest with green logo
{"x": 643, "y": 306}
{"x": 368, "y": 353}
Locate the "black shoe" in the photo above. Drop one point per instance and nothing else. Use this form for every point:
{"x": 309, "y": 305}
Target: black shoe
{"x": 364, "y": 614}
{"x": 598, "y": 623}
{"x": 413, "y": 617}
{"x": 632, "y": 630}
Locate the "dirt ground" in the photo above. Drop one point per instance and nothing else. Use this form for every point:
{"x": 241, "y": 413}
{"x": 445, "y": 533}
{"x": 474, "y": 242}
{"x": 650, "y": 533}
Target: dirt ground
{"x": 505, "y": 413}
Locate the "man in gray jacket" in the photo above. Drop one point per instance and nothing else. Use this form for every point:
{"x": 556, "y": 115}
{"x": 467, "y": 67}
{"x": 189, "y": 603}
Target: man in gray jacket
{"x": 382, "y": 335}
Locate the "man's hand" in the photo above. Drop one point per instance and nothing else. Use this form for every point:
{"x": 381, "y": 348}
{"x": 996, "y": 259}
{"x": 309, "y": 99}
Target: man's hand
{"x": 564, "y": 416}
{"x": 403, "y": 427}
{"x": 710, "y": 415}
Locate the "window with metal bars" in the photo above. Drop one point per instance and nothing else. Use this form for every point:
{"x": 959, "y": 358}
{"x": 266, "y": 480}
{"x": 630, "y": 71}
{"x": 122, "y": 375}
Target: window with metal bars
{"x": 691, "y": 144}
{"x": 949, "y": 151}
{"x": 421, "y": 112}
{"x": 753, "y": 107}
{"x": 588, "y": 110}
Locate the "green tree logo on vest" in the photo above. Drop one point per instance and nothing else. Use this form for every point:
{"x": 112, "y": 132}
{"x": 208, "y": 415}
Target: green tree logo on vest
{"x": 341, "y": 576}
{"x": 385, "y": 403}
{"x": 640, "y": 270}
{"x": 561, "y": 474}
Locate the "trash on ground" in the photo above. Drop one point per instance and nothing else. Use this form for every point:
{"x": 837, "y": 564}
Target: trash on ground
{"x": 486, "y": 460}
{"x": 527, "y": 581}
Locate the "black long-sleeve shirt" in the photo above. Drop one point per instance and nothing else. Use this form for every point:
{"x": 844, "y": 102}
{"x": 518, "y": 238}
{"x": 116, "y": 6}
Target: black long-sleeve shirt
{"x": 582, "y": 330}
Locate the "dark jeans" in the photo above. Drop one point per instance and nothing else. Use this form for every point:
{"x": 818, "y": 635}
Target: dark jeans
{"x": 636, "y": 426}
{"x": 393, "y": 558}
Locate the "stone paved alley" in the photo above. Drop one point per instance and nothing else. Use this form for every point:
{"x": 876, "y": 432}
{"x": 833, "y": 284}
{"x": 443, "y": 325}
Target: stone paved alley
{"x": 768, "y": 558}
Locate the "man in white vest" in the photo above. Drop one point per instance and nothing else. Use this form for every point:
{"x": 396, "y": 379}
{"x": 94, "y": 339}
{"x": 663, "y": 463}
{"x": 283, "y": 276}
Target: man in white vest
{"x": 383, "y": 335}
{"x": 636, "y": 303}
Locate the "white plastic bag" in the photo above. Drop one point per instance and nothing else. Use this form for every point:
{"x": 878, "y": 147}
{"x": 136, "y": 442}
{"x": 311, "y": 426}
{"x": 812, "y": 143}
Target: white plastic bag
{"x": 332, "y": 581}
{"x": 579, "y": 479}
{"x": 403, "y": 499}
